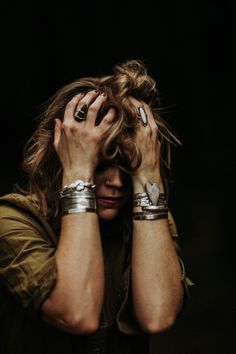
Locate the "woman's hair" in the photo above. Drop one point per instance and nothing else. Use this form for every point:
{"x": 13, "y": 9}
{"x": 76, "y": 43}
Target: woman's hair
{"x": 129, "y": 78}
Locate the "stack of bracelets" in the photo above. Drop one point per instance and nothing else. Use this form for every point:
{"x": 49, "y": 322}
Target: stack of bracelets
{"x": 78, "y": 197}
{"x": 151, "y": 205}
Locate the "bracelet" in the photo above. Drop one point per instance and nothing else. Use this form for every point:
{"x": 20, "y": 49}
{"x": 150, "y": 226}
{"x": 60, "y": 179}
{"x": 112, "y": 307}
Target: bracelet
{"x": 78, "y": 197}
{"x": 77, "y": 186}
{"x": 82, "y": 201}
{"x": 149, "y": 216}
{"x": 77, "y": 194}
{"x": 141, "y": 200}
{"x": 78, "y": 210}
{"x": 155, "y": 208}
{"x": 78, "y": 205}
{"x": 153, "y": 204}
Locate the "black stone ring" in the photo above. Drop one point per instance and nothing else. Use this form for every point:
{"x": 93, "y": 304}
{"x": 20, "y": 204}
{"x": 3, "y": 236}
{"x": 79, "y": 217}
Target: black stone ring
{"x": 81, "y": 114}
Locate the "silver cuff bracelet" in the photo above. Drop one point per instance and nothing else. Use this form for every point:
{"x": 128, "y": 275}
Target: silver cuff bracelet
{"x": 78, "y": 204}
{"x": 148, "y": 216}
{"x": 78, "y": 210}
{"x": 155, "y": 208}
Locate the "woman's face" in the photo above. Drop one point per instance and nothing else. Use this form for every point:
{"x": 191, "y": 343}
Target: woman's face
{"x": 111, "y": 191}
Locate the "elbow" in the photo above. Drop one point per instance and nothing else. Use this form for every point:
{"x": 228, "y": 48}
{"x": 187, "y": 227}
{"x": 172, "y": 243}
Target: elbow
{"x": 157, "y": 325}
{"x": 79, "y": 325}
{"x": 71, "y": 322}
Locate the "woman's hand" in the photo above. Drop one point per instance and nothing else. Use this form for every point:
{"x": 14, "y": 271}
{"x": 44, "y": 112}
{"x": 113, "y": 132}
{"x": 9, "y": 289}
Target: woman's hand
{"x": 77, "y": 143}
{"x": 147, "y": 141}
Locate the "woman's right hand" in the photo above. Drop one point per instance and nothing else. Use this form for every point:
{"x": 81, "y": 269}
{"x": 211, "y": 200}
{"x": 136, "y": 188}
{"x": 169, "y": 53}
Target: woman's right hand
{"x": 77, "y": 143}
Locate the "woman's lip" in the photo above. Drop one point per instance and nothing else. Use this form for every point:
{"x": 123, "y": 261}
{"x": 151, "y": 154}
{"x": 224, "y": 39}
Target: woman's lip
{"x": 109, "y": 197}
{"x": 110, "y": 200}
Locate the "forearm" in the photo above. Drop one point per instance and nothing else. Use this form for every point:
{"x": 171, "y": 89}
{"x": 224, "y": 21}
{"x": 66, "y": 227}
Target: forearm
{"x": 75, "y": 302}
{"x": 156, "y": 275}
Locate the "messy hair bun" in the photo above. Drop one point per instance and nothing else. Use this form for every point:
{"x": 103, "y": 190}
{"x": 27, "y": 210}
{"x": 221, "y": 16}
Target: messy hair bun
{"x": 129, "y": 78}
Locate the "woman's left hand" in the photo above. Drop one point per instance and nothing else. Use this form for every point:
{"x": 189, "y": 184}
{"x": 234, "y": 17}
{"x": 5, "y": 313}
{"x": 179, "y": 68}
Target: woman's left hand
{"x": 149, "y": 146}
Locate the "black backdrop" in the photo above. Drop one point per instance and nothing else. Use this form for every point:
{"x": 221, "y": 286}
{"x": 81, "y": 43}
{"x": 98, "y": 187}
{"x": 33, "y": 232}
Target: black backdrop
{"x": 188, "y": 48}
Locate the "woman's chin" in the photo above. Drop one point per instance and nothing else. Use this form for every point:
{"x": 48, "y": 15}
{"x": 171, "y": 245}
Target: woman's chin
{"x": 106, "y": 214}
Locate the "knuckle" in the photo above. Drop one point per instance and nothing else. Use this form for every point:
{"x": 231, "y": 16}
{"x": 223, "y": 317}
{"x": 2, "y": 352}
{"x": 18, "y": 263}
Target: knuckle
{"x": 96, "y": 135}
{"x": 107, "y": 117}
{"x": 74, "y": 128}
{"x": 110, "y": 115}
{"x": 154, "y": 128}
{"x": 65, "y": 126}
{"x": 91, "y": 93}
{"x": 148, "y": 130}
{"x": 71, "y": 103}
{"x": 146, "y": 107}
{"x": 96, "y": 105}
{"x": 102, "y": 97}
{"x": 93, "y": 108}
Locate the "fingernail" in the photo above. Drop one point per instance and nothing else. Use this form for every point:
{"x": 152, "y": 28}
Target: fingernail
{"x": 103, "y": 94}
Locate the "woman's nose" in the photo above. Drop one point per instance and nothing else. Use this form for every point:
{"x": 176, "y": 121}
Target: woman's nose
{"x": 114, "y": 179}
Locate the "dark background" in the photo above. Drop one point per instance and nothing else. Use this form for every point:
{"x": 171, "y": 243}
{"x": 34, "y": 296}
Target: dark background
{"x": 188, "y": 48}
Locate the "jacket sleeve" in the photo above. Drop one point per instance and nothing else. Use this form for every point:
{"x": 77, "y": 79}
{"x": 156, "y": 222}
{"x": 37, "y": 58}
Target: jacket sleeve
{"x": 27, "y": 257}
{"x": 125, "y": 317}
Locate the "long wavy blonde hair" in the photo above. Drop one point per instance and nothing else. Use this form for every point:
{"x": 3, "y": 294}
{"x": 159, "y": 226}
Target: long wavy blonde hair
{"x": 129, "y": 78}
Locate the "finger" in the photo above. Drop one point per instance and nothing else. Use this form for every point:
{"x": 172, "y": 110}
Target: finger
{"x": 107, "y": 119}
{"x": 57, "y": 132}
{"x": 70, "y": 108}
{"x": 145, "y": 110}
{"x": 94, "y": 108}
{"x": 134, "y": 101}
{"x": 85, "y": 102}
{"x": 142, "y": 113}
{"x": 151, "y": 119}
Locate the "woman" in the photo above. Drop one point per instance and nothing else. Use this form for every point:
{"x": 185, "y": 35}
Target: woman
{"x": 88, "y": 257}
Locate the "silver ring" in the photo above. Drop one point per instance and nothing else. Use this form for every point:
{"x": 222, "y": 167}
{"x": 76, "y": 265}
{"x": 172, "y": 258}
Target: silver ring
{"x": 81, "y": 114}
{"x": 142, "y": 115}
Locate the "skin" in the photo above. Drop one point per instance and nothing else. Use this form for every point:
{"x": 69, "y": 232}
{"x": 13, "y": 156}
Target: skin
{"x": 109, "y": 184}
{"x": 75, "y": 303}
{"x": 156, "y": 273}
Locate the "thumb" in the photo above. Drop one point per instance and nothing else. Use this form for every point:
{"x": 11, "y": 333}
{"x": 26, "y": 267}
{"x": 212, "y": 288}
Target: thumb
{"x": 57, "y": 132}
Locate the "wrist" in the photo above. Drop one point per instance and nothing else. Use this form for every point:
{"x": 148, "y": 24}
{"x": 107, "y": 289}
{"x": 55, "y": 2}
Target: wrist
{"x": 78, "y": 197}
{"x": 71, "y": 176}
{"x": 151, "y": 205}
{"x": 140, "y": 181}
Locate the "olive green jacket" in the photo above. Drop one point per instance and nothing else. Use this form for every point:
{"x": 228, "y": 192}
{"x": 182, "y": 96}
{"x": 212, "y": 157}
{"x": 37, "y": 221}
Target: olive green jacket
{"x": 28, "y": 271}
